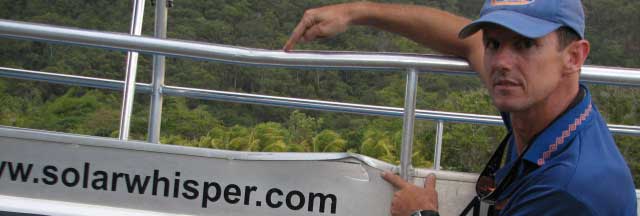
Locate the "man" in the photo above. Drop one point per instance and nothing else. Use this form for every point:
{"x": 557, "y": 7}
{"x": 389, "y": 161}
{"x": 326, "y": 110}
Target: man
{"x": 561, "y": 158}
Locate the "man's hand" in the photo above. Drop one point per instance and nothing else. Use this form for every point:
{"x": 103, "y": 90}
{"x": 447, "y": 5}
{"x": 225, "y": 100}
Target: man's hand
{"x": 322, "y": 22}
{"x": 410, "y": 198}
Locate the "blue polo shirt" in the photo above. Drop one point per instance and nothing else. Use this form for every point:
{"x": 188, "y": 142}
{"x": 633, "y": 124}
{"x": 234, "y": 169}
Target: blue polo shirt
{"x": 573, "y": 167}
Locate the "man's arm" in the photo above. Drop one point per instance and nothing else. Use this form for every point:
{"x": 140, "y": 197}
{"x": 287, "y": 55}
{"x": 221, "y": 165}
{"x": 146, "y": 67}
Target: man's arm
{"x": 430, "y": 27}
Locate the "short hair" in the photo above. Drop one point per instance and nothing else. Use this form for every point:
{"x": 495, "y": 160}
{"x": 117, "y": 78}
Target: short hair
{"x": 566, "y": 36}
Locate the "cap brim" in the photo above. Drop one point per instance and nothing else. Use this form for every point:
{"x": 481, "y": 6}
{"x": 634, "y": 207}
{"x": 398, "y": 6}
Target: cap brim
{"x": 522, "y": 24}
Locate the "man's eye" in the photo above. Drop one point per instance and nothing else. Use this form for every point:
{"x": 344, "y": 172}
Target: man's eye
{"x": 525, "y": 44}
{"x": 491, "y": 44}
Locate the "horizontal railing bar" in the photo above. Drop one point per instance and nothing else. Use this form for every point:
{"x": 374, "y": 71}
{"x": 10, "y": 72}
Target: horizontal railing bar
{"x": 610, "y": 75}
{"x": 65, "y": 79}
{"x": 272, "y": 100}
{"x": 318, "y": 59}
{"x": 207, "y": 51}
{"x": 624, "y": 129}
{"x": 325, "y": 105}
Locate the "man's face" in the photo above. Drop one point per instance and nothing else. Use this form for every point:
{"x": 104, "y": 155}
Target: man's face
{"x": 520, "y": 72}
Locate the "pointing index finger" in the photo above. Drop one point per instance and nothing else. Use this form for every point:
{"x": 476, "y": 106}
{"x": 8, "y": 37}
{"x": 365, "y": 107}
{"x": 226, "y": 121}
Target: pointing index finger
{"x": 430, "y": 181}
{"x": 395, "y": 180}
{"x": 297, "y": 34}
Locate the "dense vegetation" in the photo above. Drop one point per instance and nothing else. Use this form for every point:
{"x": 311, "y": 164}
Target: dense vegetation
{"x": 267, "y": 24}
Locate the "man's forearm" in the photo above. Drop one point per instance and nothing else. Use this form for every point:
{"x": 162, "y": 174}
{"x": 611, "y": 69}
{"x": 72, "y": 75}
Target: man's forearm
{"x": 430, "y": 27}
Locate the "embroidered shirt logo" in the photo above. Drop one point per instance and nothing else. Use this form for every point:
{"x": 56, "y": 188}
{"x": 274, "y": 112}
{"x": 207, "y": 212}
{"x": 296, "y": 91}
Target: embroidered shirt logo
{"x": 511, "y": 2}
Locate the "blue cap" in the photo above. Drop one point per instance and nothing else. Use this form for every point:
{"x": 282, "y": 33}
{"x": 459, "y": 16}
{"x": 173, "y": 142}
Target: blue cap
{"x": 529, "y": 18}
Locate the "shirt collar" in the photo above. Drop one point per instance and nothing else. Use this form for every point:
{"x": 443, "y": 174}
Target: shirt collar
{"x": 552, "y": 140}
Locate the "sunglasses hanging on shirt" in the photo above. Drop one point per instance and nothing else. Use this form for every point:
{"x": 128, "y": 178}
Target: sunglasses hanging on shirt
{"x": 488, "y": 190}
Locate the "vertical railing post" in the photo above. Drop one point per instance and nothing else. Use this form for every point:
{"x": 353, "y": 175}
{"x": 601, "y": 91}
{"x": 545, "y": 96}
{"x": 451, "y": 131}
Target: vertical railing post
{"x": 408, "y": 123}
{"x": 132, "y": 68}
{"x": 438, "y": 152}
{"x": 155, "y": 114}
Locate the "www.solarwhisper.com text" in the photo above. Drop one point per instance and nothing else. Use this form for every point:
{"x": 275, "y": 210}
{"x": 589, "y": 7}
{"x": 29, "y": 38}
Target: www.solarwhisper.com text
{"x": 205, "y": 192}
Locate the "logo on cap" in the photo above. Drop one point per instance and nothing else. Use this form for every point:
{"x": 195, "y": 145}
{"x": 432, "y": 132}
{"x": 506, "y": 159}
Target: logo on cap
{"x": 510, "y": 2}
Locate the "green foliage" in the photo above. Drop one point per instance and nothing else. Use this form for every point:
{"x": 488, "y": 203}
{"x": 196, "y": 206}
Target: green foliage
{"x": 68, "y": 112}
{"x": 242, "y": 139}
{"x": 11, "y": 107}
{"x": 473, "y": 101}
{"x": 469, "y": 144}
{"x": 302, "y": 128}
{"x": 378, "y": 144}
{"x": 629, "y": 148}
{"x": 277, "y": 146}
{"x": 191, "y": 123}
{"x": 269, "y": 133}
{"x": 328, "y": 141}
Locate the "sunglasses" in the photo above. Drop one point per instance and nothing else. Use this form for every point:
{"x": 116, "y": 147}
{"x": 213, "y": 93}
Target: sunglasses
{"x": 487, "y": 189}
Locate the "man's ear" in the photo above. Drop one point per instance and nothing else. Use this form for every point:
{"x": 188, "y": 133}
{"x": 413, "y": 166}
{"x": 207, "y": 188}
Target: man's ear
{"x": 575, "y": 55}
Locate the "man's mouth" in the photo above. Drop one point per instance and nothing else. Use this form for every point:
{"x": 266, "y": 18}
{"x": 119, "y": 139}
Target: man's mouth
{"x": 505, "y": 83}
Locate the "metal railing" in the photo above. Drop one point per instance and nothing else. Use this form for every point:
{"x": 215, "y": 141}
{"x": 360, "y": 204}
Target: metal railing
{"x": 132, "y": 69}
{"x": 324, "y": 60}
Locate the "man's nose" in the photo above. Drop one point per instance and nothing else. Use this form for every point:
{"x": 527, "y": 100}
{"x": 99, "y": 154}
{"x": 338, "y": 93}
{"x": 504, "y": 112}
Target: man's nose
{"x": 503, "y": 59}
